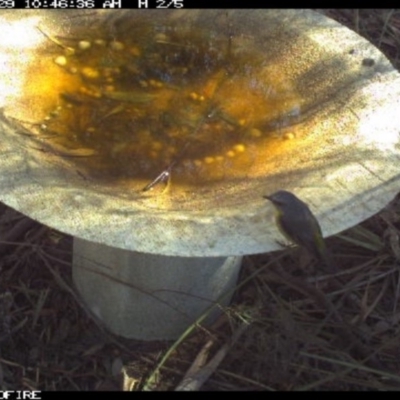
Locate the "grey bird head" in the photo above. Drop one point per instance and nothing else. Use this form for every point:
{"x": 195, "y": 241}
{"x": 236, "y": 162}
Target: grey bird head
{"x": 282, "y": 197}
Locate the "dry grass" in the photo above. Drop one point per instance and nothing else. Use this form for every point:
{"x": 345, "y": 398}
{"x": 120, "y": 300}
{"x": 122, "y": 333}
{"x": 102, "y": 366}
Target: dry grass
{"x": 299, "y": 329}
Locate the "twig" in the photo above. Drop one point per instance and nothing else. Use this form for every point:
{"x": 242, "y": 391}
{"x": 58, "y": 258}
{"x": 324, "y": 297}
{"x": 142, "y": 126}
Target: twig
{"x": 199, "y": 372}
{"x": 345, "y": 330}
{"x": 16, "y": 233}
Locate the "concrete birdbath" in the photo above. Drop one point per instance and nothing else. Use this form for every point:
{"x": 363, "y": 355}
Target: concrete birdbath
{"x": 151, "y": 136}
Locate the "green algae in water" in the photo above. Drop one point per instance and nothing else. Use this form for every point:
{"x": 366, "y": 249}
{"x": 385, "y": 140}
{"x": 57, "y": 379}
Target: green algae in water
{"x": 180, "y": 99}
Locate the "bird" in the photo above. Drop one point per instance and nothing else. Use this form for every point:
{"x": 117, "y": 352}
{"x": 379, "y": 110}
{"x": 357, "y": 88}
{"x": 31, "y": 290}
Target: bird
{"x": 299, "y": 225}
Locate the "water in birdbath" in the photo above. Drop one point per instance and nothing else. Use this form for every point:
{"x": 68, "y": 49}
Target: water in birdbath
{"x": 162, "y": 102}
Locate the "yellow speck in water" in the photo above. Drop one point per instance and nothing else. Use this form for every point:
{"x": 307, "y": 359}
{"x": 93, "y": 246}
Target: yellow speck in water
{"x": 193, "y": 96}
{"x": 90, "y": 73}
{"x": 61, "y": 61}
{"x": 115, "y": 45}
{"x": 84, "y": 45}
{"x": 155, "y": 83}
{"x": 230, "y": 153}
{"x": 289, "y": 136}
{"x": 209, "y": 160}
{"x": 161, "y": 37}
{"x": 240, "y": 148}
{"x": 100, "y": 42}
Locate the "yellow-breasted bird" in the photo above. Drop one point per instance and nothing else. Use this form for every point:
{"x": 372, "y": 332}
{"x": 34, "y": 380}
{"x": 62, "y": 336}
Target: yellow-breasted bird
{"x": 299, "y": 225}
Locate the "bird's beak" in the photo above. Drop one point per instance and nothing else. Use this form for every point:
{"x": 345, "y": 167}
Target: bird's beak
{"x": 267, "y": 197}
